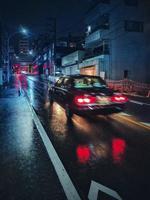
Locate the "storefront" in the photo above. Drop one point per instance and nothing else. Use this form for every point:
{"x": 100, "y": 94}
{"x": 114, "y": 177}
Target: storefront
{"x": 96, "y": 66}
{"x": 90, "y": 70}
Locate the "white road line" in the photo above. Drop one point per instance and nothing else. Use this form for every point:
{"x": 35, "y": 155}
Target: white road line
{"x": 125, "y": 114}
{"x": 139, "y": 103}
{"x": 133, "y": 95}
{"x": 69, "y": 188}
{"x": 146, "y": 124}
{"x": 146, "y": 104}
{"x": 96, "y": 187}
{"x": 136, "y": 102}
{"x": 126, "y": 117}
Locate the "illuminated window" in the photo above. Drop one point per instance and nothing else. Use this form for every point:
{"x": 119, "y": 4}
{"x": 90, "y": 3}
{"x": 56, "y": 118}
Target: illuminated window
{"x": 72, "y": 45}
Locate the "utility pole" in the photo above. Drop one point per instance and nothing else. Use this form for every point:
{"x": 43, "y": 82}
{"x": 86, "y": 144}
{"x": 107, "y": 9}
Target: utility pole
{"x": 52, "y": 31}
{"x": 55, "y": 44}
{"x": 8, "y": 60}
{"x": 1, "y": 69}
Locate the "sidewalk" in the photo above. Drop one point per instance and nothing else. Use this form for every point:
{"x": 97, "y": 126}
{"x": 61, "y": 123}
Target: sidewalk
{"x": 26, "y": 170}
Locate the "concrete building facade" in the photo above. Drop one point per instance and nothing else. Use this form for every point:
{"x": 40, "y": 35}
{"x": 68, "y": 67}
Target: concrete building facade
{"x": 118, "y": 39}
{"x": 71, "y": 63}
{"x": 117, "y": 42}
{"x": 24, "y": 45}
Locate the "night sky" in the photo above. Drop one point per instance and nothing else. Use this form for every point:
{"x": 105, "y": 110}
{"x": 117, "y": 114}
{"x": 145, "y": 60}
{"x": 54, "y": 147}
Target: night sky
{"x": 34, "y": 14}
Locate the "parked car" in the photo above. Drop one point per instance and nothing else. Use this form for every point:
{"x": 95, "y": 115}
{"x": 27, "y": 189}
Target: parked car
{"x": 82, "y": 94}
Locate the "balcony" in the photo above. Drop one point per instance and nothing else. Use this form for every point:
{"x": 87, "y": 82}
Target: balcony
{"x": 96, "y": 30}
{"x": 98, "y": 51}
{"x": 93, "y": 37}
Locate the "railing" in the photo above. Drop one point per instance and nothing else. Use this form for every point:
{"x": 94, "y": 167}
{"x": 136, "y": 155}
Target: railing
{"x": 96, "y": 53}
{"x": 129, "y": 86}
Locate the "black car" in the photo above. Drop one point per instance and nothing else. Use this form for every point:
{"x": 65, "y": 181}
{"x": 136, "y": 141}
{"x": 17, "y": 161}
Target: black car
{"x": 83, "y": 94}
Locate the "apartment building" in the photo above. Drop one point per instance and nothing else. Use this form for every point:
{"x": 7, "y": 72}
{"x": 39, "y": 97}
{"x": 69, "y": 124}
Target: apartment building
{"x": 24, "y": 45}
{"x": 117, "y": 40}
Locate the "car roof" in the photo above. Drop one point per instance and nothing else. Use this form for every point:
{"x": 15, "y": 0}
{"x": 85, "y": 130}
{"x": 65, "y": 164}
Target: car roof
{"x": 80, "y": 76}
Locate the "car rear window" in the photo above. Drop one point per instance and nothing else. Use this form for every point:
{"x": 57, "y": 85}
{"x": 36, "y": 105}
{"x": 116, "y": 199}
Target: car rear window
{"x": 88, "y": 82}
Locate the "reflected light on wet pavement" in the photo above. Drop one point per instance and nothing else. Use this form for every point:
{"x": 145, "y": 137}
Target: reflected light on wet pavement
{"x": 32, "y": 96}
{"x": 26, "y": 139}
{"x": 83, "y": 124}
{"x": 89, "y": 149}
{"x": 100, "y": 150}
{"x": 58, "y": 121}
{"x": 118, "y": 150}
{"x": 20, "y": 79}
{"x": 92, "y": 152}
{"x": 83, "y": 154}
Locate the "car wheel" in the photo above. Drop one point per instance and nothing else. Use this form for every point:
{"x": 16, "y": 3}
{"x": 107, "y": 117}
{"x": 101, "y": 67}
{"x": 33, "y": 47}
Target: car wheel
{"x": 69, "y": 113}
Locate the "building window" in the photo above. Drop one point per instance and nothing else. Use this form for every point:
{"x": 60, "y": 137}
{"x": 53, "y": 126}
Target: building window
{"x": 134, "y": 26}
{"x": 103, "y": 48}
{"x": 72, "y": 45}
{"x": 104, "y": 22}
{"x": 125, "y": 74}
{"x": 131, "y": 2}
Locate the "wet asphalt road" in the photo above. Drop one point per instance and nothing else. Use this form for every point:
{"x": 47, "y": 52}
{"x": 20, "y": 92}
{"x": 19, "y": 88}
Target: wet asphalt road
{"x": 110, "y": 151}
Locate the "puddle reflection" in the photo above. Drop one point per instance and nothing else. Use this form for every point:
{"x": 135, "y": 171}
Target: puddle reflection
{"x": 89, "y": 138}
{"x": 118, "y": 150}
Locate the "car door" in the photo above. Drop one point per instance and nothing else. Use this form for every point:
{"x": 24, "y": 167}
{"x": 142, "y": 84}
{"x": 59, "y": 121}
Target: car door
{"x": 63, "y": 93}
{"x": 57, "y": 89}
{"x": 67, "y": 92}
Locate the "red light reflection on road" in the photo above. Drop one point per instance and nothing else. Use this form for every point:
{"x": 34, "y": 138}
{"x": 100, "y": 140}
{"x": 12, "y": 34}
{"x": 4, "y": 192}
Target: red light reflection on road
{"x": 83, "y": 154}
{"x": 118, "y": 150}
{"x": 20, "y": 79}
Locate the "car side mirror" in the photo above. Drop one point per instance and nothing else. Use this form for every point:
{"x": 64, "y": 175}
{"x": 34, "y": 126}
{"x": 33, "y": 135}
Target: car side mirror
{"x": 69, "y": 86}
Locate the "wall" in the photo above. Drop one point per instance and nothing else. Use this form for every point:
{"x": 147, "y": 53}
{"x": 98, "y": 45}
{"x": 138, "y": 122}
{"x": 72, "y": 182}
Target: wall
{"x": 128, "y": 50}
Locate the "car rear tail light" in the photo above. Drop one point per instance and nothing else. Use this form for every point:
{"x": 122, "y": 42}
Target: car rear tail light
{"x": 83, "y": 100}
{"x": 119, "y": 99}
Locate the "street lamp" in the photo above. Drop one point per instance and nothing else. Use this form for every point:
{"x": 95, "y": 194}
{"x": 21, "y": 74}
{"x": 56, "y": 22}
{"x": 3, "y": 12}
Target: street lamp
{"x": 30, "y": 52}
{"x": 22, "y": 31}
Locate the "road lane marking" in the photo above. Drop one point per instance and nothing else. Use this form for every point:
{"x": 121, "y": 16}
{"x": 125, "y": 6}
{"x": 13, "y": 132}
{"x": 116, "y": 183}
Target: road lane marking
{"x": 125, "y": 114}
{"x": 136, "y": 102}
{"x": 146, "y": 104}
{"x": 65, "y": 180}
{"x": 146, "y": 124}
{"x": 96, "y": 187}
{"x": 139, "y": 103}
{"x": 138, "y": 123}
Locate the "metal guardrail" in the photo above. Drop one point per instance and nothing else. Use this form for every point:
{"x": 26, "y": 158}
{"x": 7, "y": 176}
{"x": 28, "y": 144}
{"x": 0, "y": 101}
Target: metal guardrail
{"x": 129, "y": 86}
